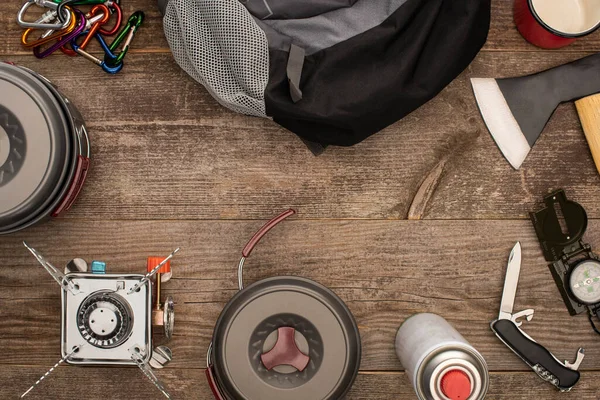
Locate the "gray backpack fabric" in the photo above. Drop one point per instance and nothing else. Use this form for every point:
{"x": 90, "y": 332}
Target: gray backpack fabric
{"x": 332, "y": 71}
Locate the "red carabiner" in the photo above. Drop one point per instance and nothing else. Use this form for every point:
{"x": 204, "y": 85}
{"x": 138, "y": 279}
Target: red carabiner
{"x": 114, "y": 9}
{"x": 98, "y": 16}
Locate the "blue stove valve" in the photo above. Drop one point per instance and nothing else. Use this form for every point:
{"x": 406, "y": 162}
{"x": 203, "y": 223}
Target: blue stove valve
{"x": 98, "y": 267}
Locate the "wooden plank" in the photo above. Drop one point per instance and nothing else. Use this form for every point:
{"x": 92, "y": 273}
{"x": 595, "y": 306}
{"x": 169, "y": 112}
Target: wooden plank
{"x": 128, "y": 383}
{"x": 164, "y": 149}
{"x": 503, "y": 34}
{"x": 384, "y": 270}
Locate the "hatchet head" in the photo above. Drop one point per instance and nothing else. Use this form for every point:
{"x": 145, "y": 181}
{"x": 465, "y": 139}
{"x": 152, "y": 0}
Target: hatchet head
{"x": 516, "y": 110}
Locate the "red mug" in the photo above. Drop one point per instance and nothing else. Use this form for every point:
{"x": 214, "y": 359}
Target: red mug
{"x": 551, "y": 24}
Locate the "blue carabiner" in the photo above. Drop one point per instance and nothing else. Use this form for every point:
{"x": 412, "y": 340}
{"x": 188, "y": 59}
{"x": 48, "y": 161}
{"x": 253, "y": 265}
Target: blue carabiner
{"x": 111, "y": 69}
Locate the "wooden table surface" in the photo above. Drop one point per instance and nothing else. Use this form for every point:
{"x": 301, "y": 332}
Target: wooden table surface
{"x": 171, "y": 167}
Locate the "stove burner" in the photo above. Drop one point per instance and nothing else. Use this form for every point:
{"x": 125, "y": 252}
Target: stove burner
{"x": 105, "y": 319}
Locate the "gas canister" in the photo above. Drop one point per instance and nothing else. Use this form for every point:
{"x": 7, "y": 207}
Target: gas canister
{"x": 439, "y": 362}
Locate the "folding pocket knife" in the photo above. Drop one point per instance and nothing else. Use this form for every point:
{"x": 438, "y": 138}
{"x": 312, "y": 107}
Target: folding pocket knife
{"x": 507, "y": 327}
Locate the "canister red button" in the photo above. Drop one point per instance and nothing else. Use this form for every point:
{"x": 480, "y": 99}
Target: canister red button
{"x": 456, "y": 385}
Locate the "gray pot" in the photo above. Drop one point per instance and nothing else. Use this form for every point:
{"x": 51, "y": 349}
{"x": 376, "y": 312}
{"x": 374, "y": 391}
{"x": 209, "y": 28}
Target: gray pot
{"x": 44, "y": 150}
{"x": 283, "y": 337}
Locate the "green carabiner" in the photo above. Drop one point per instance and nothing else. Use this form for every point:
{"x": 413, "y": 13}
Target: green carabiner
{"x": 128, "y": 31}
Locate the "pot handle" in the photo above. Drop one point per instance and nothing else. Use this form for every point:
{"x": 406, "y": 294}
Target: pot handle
{"x": 213, "y": 384}
{"x": 210, "y": 375}
{"x": 256, "y": 238}
{"x": 263, "y": 231}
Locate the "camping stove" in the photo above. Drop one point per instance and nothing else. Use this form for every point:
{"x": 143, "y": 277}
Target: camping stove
{"x": 101, "y": 315}
{"x": 107, "y": 319}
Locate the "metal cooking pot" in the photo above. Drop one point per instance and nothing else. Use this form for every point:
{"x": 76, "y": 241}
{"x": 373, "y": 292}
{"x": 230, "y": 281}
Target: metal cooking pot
{"x": 44, "y": 150}
{"x": 283, "y": 338}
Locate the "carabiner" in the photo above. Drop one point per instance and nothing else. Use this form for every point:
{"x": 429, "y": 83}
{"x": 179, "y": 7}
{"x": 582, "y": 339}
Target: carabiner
{"x": 48, "y": 36}
{"x": 97, "y": 16}
{"x": 80, "y": 2}
{"x": 62, "y": 4}
{"x": 114, "y": 8}
{"x": 42, "y": 22}
{"x": 111, "y": 69}
{"x": 37, "y": 51}
{"x": 133, "y": 23}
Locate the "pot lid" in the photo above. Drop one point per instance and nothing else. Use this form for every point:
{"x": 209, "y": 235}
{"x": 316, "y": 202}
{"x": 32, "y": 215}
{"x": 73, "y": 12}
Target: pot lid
{"x": 34, "y": 146}
{"x": 286, "y": 337}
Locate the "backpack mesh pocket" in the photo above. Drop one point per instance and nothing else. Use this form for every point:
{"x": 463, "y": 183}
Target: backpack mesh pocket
{"x": 220, "y": 45}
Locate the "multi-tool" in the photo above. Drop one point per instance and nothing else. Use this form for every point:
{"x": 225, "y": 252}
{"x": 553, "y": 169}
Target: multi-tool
{"x": 508, "y": 329}
{"x": 107, "y": 319}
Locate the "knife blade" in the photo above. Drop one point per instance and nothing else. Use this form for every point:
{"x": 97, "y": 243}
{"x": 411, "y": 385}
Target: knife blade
{"x": 511, "y": 281}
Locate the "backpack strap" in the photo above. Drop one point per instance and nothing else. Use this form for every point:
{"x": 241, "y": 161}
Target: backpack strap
{"x": 294, "y": 71}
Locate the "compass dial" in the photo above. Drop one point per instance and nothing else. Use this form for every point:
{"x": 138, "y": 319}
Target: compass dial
{"x": 585, "y": 282}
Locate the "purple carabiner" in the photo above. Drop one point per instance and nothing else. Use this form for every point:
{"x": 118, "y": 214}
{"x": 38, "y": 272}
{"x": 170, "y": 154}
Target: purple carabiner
{"x": 63, "y": 40}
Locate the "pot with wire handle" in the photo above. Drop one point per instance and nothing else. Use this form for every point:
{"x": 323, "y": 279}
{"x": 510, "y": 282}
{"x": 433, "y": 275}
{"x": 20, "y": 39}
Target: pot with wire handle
{"x": 283, "y": 337}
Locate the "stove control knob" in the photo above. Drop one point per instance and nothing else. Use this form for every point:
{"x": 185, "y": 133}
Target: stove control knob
{"x": 164, "y": 272}
{"x": 98, "y": 267}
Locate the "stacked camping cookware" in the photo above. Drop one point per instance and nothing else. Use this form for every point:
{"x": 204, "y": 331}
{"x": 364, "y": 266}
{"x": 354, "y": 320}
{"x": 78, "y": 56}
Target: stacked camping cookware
{"x": 44, "y": 149}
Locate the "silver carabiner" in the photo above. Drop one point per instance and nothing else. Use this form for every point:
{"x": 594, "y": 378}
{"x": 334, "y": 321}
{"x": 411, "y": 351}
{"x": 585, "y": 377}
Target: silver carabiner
{"x": 43, "y": 21}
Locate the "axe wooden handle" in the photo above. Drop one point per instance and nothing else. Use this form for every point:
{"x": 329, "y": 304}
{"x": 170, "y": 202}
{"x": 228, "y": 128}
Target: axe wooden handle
{"x": 589, "y": 114}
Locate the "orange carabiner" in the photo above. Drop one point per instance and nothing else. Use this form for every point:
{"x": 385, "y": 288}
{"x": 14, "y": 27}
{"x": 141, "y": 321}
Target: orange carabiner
{"x": 98, "y": 16}
{"x": 48, "y": 36}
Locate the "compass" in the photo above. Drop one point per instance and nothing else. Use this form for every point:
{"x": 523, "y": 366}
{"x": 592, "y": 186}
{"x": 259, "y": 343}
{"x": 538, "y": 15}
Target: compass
{"x": 560, "y": 226}
{"x": 584, "y": 282}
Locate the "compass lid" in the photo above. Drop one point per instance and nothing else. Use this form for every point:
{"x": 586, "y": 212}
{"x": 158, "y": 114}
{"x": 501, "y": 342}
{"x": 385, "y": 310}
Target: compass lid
{"x": 559, "y": 233}
{"x": 36, "y": 147}
{"x": 286, "y": 337}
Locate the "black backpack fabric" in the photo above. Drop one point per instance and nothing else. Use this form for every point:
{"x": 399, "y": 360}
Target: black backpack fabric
{"x": 332, "y": 71}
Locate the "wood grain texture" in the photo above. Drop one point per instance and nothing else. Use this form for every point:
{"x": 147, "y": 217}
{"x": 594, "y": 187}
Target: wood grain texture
{"x": 164, "y": 149}
{"x": 588, "y": 110}
{"x": 171, "y": 167}
{"x": 190, "y": 384}
{"x": 384, "y": 270}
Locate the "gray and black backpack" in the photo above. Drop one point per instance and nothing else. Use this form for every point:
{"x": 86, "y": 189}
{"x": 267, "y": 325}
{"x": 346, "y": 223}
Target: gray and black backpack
{"x": 332, "y": 71}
